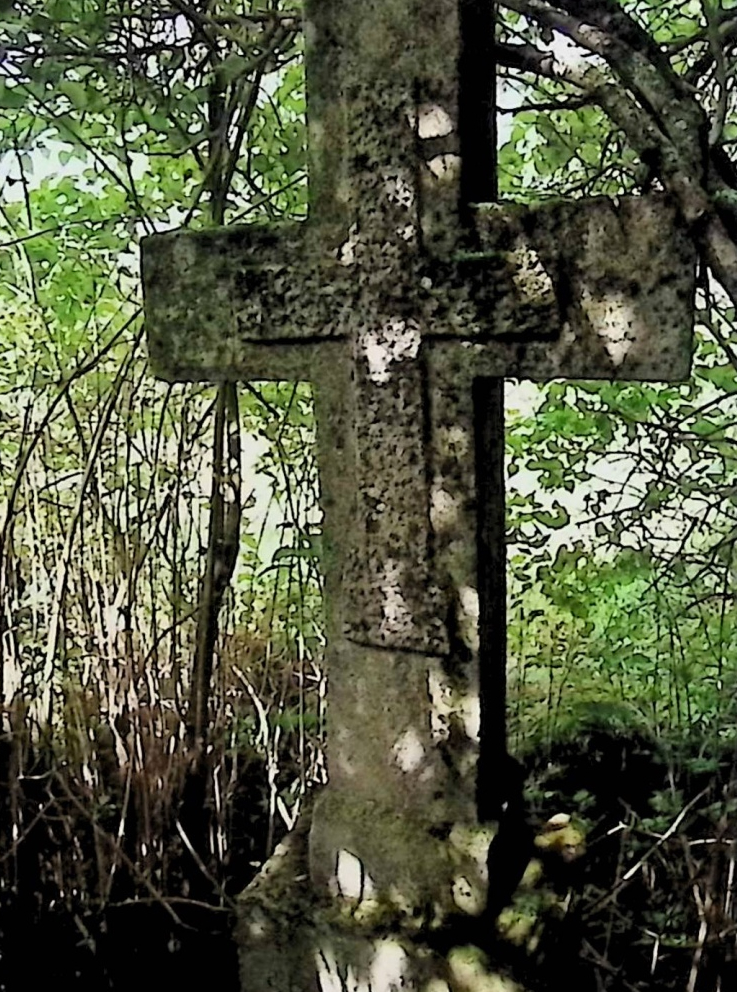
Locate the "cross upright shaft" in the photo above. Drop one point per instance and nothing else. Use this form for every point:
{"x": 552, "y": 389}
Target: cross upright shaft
{"x": 386, "y": 107}
{"x": 394, "y": 295}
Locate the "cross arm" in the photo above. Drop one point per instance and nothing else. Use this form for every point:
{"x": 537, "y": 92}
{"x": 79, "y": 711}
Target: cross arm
{"x": 612, "y": 283}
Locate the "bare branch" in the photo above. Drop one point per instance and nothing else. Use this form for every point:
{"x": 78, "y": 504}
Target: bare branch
{"x": 720, "y": 71}
{"x": 615, "y": 22}
{"x": 527, "y": 58}
{"x": 637, "y": 62}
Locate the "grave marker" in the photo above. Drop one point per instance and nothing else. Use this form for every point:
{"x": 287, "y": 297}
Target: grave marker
{"x": 394, "y": 297}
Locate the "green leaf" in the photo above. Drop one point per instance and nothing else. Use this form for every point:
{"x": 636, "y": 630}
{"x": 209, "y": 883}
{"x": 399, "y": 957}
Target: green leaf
{"x": 556, "y": 518}
{"x": 12, "y": 97}
{"x": 721, "y": 376}
{"x": 232, "y": 67}
{"x": 76, "y": 93}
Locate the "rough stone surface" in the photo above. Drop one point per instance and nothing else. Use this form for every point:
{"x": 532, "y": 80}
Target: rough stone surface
{"x": 611, "y": 285}
{"x": 351, "y": 943}
{"x": 391, "y": 298}
{"x": 624, "y": 276}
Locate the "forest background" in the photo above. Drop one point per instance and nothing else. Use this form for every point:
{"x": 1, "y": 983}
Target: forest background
{"x": 118, "y": 119}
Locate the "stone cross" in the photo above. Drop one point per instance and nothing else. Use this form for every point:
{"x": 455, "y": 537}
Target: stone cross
{"x": 396, "y": 295}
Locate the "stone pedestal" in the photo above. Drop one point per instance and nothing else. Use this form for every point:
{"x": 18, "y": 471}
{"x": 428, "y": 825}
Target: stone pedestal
{"x": 293, "y": 941}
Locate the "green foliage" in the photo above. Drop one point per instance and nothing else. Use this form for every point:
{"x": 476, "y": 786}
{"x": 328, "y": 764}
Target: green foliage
{"x": 114, "y": 122}
{"x": 632, "y": 605}
{"x": 117, "y": 121}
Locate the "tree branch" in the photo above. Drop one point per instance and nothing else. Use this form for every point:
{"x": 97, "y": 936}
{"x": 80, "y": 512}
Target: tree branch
{"x": 643, "y": 68}
{"x": 527, "y": 58}
{"x": 610, "y": 18}
{"x": 720, "y": 72}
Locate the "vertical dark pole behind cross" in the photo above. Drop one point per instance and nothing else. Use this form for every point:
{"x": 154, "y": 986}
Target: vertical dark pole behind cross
{"x": 479, "y": 184}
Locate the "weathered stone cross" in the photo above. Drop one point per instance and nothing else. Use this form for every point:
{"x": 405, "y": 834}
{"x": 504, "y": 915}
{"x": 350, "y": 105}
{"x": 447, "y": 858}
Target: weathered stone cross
{"x": 393, "y": 297}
